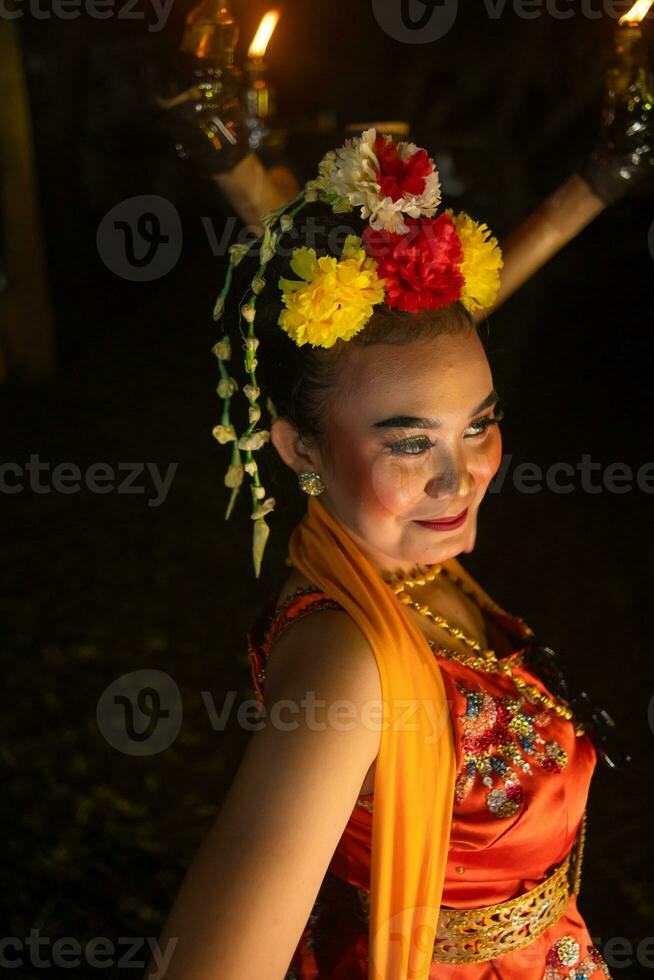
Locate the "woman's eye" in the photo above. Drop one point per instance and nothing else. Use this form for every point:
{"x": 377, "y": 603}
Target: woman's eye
{"x": 479, "y": 427}
{"x": 411, "y": 447}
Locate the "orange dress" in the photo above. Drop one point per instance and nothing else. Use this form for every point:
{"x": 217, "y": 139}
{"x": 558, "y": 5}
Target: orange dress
{"x": 523, "y": 775}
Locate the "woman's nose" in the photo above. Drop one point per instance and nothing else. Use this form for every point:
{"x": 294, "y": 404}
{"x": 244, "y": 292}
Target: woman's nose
{"x": 452, "y": 477}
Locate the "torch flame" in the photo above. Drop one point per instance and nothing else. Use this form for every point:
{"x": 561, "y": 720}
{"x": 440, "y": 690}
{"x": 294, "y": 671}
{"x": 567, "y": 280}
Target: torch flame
{"x": 264, "y": 32}
{"x": 636, "y": 13}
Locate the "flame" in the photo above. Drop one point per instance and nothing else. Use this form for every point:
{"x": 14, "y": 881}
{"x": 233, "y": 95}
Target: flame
{"x": 264, "y": 32}
{"x": 636, "y": 13}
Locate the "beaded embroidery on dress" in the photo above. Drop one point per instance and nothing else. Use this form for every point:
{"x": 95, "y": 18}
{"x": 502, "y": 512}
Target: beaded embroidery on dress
{"x": 564, "y": 960}
{"x": 523, "y": 773}
{"x": 500, "y": 736}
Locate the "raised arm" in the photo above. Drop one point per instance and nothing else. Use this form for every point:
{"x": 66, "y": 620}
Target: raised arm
{"x": 249, "y": 891}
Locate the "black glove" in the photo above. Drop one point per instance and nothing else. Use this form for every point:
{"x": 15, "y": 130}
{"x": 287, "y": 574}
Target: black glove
{"x": 624, "y": 155}
{"x": 203, "y": 116}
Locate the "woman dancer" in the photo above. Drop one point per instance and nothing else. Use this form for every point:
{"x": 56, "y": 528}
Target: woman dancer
{"x": 413, "y": 802}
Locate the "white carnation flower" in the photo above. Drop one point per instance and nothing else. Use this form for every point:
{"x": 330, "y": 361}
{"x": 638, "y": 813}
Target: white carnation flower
{"x": 348, "y": 178}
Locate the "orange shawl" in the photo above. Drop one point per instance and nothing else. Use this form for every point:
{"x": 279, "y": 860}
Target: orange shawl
{"x": 416, "y": 767}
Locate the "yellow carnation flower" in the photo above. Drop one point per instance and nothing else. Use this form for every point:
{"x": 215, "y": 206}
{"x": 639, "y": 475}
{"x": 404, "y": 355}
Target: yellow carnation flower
{"x": 333, "y": 299}
{"x": 482, "y": 261}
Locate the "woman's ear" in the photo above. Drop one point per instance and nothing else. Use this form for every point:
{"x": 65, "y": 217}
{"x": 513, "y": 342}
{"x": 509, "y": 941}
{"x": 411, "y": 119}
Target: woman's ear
{"x": 292, "y": 448}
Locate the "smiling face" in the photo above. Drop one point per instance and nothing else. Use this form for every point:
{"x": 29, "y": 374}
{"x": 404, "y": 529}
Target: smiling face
{"x": 413, "y": 436}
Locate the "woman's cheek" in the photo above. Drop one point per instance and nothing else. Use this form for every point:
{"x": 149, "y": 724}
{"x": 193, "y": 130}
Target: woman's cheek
{"x": 356, "y": 486}
{"x": 398, "y": 484}
{"x": 493, "y": 457}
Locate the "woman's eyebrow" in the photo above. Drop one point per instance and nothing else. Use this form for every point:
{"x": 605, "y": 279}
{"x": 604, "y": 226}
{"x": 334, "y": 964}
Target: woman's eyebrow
{"x": 416, "y": 422}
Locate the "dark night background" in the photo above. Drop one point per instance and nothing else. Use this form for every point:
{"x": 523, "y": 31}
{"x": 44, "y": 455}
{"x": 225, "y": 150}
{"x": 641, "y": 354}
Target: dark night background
{"x": 95, "y": 586}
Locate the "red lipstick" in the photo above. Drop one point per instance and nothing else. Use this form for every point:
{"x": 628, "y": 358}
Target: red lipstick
{"x": 446, "y": 524}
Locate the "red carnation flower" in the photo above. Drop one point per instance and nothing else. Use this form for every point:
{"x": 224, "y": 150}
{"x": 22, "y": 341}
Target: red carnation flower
{"x": 421, "y": 268}
{"x": 396, "y": 176}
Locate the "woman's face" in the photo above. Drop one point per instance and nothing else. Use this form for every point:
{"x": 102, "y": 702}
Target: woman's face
{"x": 412, "y": 439}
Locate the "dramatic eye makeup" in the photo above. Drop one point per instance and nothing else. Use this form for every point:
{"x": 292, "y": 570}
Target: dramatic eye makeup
{"x": 415, "y": 446}
{"x": 479, "y": 426}
{"x": 418, "y": 445}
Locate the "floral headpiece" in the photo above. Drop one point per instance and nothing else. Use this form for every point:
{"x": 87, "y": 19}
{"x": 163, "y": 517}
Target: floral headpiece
{"x": 407, "y": 258}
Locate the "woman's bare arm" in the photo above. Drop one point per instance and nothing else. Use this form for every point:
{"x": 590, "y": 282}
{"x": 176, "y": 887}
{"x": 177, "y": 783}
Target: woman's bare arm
{"x": 249, "y": 891}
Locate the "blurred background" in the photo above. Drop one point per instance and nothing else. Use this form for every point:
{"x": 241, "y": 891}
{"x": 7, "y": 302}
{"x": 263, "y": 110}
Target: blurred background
{"x": 99, "y": 366}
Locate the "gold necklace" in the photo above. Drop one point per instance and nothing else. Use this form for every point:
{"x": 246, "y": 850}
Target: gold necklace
{"x": 481, "y": 658}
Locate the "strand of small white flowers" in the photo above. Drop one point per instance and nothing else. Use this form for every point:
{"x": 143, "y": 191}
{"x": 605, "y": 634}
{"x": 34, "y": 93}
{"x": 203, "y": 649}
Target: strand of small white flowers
{"x": 225, "y": 432}
{"x": 252, "y": 439}
{"x": 285, "y": 218}
{"x": 269, "y": 219}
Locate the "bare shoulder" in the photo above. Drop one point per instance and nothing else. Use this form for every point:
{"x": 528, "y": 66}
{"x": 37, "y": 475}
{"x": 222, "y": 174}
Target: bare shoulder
{"x": 326, "y": 642}
{"x": 327, "y": 648}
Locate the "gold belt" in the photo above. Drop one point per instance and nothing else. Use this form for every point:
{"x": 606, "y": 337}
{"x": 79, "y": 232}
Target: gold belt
{"x": 479, "y": 935}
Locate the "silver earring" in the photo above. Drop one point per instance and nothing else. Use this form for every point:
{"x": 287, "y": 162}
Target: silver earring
{"x": 311, "y": 483}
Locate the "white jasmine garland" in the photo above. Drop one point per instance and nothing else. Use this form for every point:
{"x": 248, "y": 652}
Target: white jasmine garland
{"x": 223, "y": 349}
{"x": 251, "y": 392}
{"x": 267, "y": 246}
{"x": 263, "y": 508}
{"x": 255, "y": 440}
{"x": 224, "y": 433}
{"x": 227, "y": 387}
{"x": 236, "y": 253}
{"x": 234, "y": 475}
{"x": 219, "y": 308}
